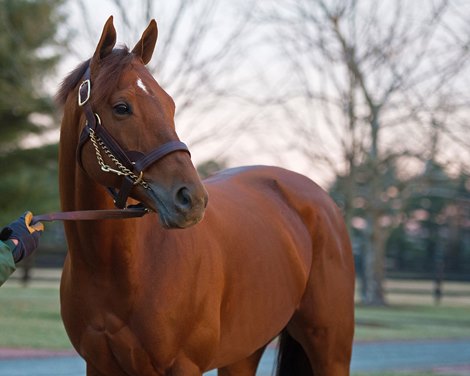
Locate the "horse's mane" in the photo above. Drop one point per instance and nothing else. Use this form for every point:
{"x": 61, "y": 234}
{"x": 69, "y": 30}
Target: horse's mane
{"x": 111, "y": 68}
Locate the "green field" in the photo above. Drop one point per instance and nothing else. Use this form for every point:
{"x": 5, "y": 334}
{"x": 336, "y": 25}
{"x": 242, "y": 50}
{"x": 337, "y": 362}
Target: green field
{"x": 402, "y": 322}
{"x": 30, "y": 318}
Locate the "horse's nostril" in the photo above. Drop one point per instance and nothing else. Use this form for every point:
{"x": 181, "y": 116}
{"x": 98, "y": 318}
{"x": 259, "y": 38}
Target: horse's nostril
{"x": 206, "y": 199}
{"x": 183, "y": 199}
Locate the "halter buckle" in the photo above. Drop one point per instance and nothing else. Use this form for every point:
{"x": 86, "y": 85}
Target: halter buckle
{"x": 84, "y": 89}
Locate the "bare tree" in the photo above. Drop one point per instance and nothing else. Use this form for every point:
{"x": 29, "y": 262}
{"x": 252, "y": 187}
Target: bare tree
{"x": 369, "y": 79}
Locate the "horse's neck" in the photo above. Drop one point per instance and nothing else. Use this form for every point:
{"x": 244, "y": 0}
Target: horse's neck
{"x": 77, "y": 190}
{"x": 95, "y": 242}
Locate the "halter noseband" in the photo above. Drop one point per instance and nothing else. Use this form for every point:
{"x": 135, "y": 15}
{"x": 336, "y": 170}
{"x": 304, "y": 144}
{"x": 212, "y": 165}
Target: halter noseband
{"x": 129, "y": 164}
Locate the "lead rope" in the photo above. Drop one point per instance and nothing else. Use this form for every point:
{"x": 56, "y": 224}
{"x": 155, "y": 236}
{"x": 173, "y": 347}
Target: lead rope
{"x": 92, "y": 215}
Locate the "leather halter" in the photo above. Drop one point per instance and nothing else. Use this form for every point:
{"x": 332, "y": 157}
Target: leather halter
{"x": 130, "y": 164}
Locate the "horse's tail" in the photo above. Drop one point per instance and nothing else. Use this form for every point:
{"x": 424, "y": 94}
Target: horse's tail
{"x": 292, "y": 359}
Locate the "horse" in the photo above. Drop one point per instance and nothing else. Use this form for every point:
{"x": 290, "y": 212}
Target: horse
{"x": 217, "y": 269}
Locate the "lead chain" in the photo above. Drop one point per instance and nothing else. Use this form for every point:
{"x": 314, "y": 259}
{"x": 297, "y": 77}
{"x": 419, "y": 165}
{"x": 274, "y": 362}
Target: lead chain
{"x": 97, "y": 143}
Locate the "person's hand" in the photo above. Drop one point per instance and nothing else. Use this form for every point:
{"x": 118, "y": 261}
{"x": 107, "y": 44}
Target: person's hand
{"x": 24, "y": 234}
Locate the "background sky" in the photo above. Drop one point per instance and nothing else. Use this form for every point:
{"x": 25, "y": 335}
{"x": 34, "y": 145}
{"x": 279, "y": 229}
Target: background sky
{"x": 255, "y": 137}
{"x": 232, "y": 118}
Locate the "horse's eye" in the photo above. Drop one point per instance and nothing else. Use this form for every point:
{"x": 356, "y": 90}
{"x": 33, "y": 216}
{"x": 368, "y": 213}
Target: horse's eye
{"x": 122, "y": 109}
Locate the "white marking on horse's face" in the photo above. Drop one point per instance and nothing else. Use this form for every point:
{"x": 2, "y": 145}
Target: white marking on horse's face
{"x": 142, "y": 86}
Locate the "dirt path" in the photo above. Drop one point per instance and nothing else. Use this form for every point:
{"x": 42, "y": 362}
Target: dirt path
{"x": 443, "y": 357}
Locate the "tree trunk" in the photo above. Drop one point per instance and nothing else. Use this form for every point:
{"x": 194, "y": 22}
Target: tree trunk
{"x": 374, "y": 263}
{"x": 375, "y": 260}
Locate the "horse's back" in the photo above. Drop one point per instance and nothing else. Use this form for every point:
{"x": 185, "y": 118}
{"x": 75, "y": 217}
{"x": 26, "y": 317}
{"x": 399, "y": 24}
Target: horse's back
{"x": 265, "y": 219}
{"x": 291, "y": 194}
{"x": 292, "y": 185}
{"x": 254, "y": 198}
{"x": 323, "y": 318}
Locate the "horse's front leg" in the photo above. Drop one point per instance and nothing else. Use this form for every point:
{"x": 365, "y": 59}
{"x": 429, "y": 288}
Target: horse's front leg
{"x": 244, "y": 367}
{"x": 183, "y": 367}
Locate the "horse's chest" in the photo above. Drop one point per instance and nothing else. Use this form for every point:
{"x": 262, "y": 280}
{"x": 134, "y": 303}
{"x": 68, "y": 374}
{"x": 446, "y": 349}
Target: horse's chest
{"x": 113, "y": 347}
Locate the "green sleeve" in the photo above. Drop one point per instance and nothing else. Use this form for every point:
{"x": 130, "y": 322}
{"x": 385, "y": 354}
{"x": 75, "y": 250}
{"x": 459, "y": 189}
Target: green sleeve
{"x": 7, "y": 264}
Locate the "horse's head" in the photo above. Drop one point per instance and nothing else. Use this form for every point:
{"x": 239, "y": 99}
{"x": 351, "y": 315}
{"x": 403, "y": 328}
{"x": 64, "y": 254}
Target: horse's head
{"x": 127, "y": 132}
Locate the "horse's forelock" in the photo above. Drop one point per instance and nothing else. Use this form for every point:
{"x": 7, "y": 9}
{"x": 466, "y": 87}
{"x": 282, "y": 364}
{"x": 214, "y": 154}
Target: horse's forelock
{"x": 110, "y": 69}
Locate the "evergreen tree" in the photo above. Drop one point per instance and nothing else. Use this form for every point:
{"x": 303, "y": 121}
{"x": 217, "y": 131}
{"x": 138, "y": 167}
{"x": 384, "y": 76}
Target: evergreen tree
{"x": 28, "y": 54}
{"x": 29, "y": 51}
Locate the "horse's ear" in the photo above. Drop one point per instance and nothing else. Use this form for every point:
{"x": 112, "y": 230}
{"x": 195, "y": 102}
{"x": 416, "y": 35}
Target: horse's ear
{"x": 105, "y": 45}
{"x": 145, "y": 46}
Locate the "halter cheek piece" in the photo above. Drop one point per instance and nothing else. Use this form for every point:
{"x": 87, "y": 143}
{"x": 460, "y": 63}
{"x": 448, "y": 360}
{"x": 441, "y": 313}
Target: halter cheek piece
{"x": 128, "y": 164}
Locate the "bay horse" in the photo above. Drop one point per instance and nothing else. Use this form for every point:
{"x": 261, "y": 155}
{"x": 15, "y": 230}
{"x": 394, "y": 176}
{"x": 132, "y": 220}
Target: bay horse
{"x": 197, "y": 284}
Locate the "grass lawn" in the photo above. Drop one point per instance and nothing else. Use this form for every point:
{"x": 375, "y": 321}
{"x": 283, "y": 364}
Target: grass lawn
{"x": 30, "y": 318}
{"x": 404, "y": 322}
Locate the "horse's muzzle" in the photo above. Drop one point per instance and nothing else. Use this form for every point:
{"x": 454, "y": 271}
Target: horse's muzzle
{"x": 181, "y": 207}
